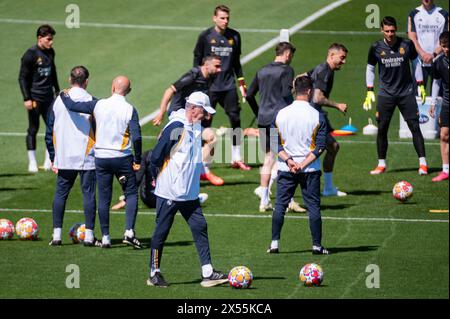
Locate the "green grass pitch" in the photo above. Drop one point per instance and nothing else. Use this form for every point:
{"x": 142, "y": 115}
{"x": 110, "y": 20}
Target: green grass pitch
{"x": 368, "y": 227}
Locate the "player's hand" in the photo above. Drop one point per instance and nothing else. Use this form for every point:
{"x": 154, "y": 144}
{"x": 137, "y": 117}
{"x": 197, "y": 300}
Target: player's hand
{"x": 422, "y": 93}
{"x": 293, "y": 168}
{"x": 54, "y": 169}
{"x": 242, "y": 88}
{"x": 153, "y": 183}
{"x": 427, "y": 58}
{"x": 29, "y": 104}
{"x": 136, "y": 167}
{"x": 158, "y": 119}
{"x": 342, "y": 107}
{"x": 432, "y": 110}
{"x": 370, "y": 97}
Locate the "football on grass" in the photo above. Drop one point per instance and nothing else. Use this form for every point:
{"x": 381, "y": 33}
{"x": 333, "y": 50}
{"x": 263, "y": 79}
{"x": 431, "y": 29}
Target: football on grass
{"x": 27, "y": 228}
{"x": 240, "y": 277}
{"x": 311, "y": 275}
{"x": 6, "y": 229}
{"x": 402, "y": 191}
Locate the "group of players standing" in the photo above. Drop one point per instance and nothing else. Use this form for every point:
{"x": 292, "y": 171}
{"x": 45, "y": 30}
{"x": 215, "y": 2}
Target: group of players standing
{"x": 298, "y": 140}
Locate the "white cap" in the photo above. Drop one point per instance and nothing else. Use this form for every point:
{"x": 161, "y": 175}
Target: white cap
{"x": 200, "y": 99}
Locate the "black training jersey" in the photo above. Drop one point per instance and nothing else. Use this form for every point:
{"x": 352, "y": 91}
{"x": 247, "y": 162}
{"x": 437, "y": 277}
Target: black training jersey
{"x": 274, "y": 83}
{"x": 323, "y": 78}
{"x": 228, "y": 47}
{"x": 393, "y": 66}
{"x": 190, "y": 82}
{"x": 37, "y": 76}
{"x": 440, "y": 72}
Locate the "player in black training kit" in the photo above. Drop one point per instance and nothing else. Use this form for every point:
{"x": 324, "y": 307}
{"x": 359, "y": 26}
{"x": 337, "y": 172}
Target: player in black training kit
{"x": 38, "y": 83}
{"x": 199, "y": 78}
{"x": 323, "y": 78}
{"x": 274, "y": 84}
{"x": 226, "y": 43}
{"x": 393, "y": 55}
{"x": 440, "y": 74}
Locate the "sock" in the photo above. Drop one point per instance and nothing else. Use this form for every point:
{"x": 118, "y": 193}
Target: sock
{"x": 129, "y": 233}
{"x": 207, "y": 270}
{"x": 106, "y": 239}
{"x": 235, "y": 153}
{"x": 47, "y": 162}
{"x": 32, "y": 156}
{"x": 273, "y": 177}
{"x": 154, "y": 271}
{"x": 328, "y": 179}
{"x": 445, "y": 168}
{"x": 264, "y": 195}
{"x": 89, "y": 235}
{"x": 382, "y": 162}
{"x": 274, "y": 244}
{"x": 56, "y": 233}
{"x": 206, "y": 168}
{"x": 316, "y": 247}
{"x": 422, "y": 161}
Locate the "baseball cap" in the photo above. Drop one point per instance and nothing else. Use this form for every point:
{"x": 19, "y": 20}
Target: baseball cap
{"x": 200, "y": 99}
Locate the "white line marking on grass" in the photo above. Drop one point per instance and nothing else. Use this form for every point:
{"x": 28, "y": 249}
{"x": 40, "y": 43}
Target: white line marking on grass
{"x": 250, "y": 216}
{"x": 184, "y": 28}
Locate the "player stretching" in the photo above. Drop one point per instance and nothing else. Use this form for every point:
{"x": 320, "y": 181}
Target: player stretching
{"x": 393, "y": 55}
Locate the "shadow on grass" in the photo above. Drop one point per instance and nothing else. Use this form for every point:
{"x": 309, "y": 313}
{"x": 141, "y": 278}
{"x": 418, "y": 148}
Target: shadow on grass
{"x": 146, "y": 243}
{"x": 8, "y": 189}
{"x": 413, "y": 169}
{"x": 336, "y": 250}
{"x": 335, "y": 207}
{"x": 16, "y": 174}
{"x": 367, "y": 192}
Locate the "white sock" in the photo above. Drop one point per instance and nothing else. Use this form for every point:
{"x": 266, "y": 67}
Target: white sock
{"x": 206, "y": 168}
{"x": 235, "y": 153}
{"x": 106, "y": 239}
{"x": 316, "y": 247}
{"x": 382, "y": 162}
{"x": 274, "y": 244}
{"x": 129, "y": 233}
{"x": 264, "y": 195}
{"x": 445, "y": 168}
{"x": 89, "y": 235}
{"x": 32, "y": 156}
{"x": 207, "y": 270}
{"x": 47, "y": 162}
{"x": 328, "y": 179}
{"x": 273, "y": 177}
{"x": 422, "y": 161}
{"x": 154, "y": 271}
{"x": 56, "y": 233}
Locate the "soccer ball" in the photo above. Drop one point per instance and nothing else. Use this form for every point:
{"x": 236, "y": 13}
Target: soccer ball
{"x": 6, "y": 229}
{"x": 402, "y": 191}
{"x": 240, "y": 277}
{"x": 73, "y": 233}
{"x": 311, "y": 275}
{"x": 26, "y": 228}
{"x": 81, "y": 233}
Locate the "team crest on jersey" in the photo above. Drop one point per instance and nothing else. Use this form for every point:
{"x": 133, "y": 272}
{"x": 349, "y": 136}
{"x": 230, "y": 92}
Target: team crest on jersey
{"x": 39, "y": 60}
{"x": 230, "y": 41}
{"x": 402, "y": 50}
{"x": 213, "y": 41}
{"x": 383, "y": 53}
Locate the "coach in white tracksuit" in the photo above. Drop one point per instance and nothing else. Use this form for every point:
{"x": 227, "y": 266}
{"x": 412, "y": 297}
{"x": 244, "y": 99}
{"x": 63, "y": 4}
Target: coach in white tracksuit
{"x": 302, "y": 132}
{"x": 117, "y": 130}
{"x": 70, "y": 141}
{"x": 176, "y": 164}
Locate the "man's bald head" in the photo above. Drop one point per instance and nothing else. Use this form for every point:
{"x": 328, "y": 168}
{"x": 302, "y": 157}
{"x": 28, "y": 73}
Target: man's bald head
{"x": 121, "y": 85}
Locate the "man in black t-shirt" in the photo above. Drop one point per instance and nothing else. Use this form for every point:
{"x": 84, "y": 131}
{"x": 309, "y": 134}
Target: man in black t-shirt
{"x": 198, "y": 78}
{"x": 440, "y": 75}
{"x": 38, "y": 82}
{"x": 226, "y": 43}
{"x": 323, "y": 78}
{"x": 393, "y": 55}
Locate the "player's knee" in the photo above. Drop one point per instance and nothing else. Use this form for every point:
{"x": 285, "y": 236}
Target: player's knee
{"x": 444, "y": 136}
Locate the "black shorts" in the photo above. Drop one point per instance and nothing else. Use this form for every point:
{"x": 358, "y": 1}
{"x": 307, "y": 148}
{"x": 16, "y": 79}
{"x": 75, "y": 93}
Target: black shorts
{"x": 406, "y": 104}
{"x": 443, "y": 116}
{"x": 229, "y": 100}
{"x": 265, "y": 138}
